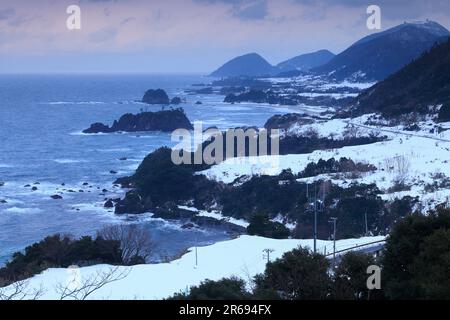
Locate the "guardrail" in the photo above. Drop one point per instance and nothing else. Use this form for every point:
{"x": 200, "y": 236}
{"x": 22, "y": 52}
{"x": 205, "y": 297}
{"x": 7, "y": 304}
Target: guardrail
{"x": 355, "y": 247}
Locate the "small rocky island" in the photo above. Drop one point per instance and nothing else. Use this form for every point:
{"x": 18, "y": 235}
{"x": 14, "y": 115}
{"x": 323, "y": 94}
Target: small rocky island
{"x": 165, "y": 121}
{"x": 158, "y": 96}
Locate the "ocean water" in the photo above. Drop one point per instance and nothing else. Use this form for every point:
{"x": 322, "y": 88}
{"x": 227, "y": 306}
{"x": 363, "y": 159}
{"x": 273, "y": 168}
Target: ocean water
{"x": 41, "y": 119}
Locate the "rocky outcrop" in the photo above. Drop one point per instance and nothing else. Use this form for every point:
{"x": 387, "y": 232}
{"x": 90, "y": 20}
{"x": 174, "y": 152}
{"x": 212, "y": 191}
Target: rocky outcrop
{"x": 166, "y": 121}
{"x": 260, "y": 96}
{"x": 132, "y": 203}
{"x": 171, "y": 211}
{"x": 158, "y": 96}
{"x": 175, "y": 100}
{"x": 109, "y": 204}
{"x": 256, "y": 96}
{"x": 97, "y": 128}
{"x": 287, "y": 120}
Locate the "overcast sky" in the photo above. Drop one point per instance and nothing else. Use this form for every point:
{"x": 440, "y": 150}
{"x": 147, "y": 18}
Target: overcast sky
{"x": 186, "y": 36}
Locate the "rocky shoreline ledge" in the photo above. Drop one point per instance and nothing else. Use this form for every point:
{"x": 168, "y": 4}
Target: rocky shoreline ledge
{"x": 165, "y": 121}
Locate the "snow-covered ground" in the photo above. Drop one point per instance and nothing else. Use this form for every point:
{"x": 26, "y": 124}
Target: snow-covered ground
{"x": 318, "y": 83}
{"x": 242, "y": 257}
{"x": 217, "y": 215}
{"x": 420, "y": 158}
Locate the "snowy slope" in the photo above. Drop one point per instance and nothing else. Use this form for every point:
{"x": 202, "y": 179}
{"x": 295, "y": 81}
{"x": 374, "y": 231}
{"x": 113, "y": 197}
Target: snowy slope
{"x": 241, "y": 257}
{"x": 425, "y": 156}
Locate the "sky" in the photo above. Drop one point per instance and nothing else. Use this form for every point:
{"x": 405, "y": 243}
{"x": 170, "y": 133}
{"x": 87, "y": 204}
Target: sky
{"x": 186, "y": 36}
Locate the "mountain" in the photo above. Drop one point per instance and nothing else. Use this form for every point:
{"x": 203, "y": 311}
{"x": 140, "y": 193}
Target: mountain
{"x": 251, "y": 65}
{"x": 423, "y": 83}
{"x": 377, "y": 56}
{"x": 306, "y": 61}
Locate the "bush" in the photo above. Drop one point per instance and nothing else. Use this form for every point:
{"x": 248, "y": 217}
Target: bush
{"x": 444, "y": 113}
{"x": 298, "y": 275}
{"x": 416, "y": 263}
{"x": 60, "y": 251}
{"x": 260, "y": 225}
{"x": 225, "y": 289}
{"x": 351, "y": 275}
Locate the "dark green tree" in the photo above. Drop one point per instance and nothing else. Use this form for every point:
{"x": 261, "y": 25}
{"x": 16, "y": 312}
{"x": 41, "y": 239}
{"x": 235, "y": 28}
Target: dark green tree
{"x": 298, "y": 275}
{"x": 60, "y": 251}
{"x": 351, "y": 275}
{"x": 444, "y": 113}
{"x": 260, "y": 225}
{"x": 224, "y": 289}
{"x": 417, "y": 257}
{"x": 431, "y": 267}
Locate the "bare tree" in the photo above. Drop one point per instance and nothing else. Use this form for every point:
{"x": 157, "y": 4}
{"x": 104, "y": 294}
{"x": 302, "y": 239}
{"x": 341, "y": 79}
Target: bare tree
{"x": 81, "y": 289}
{"x": 311, "y": 133}
{"x": 135, "y": 241}
{"x": 351, "y": 131}
{"x": 402, "y": 167}
{"x": 20, "y": 290}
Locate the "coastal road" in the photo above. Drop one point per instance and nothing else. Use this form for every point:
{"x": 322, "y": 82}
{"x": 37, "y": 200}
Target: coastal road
{"x": 397, "y": 132}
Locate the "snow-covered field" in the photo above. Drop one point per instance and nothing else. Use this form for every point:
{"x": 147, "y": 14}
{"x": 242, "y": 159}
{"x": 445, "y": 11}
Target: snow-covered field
{"x": 420, "y": 158}
{"x": 318, "y": 83}
{"x": 242, "y": 257}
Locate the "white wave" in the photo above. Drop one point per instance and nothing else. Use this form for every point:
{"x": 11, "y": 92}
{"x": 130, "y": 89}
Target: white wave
{"x": 114, "y": 150}
{"x": 23, "y": 210}
{"x": 12, "y": 202}
{"x": 81, "y": 133}
{"x": 5, "y": 165}
{"x": 118, "y": 173}
{"x": 92, "y": 207}
{"x": 131, "y": 167}
{"x": 68, "y": 161}
{"x": 76, "y": 102}
{"x": 234, "y": 108}
{"x": 131, "y": 102}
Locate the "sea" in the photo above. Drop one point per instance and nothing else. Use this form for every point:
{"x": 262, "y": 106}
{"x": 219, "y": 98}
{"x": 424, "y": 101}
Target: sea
{"x": 42, "y": 146}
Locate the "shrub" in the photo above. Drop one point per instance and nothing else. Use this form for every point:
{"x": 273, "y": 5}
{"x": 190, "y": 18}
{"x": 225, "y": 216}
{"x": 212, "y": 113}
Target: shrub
{"x": 60, "y": 251}
{"x": 444, "y": 113}
{"x": 224, "y": 289}
{"x": 260, "y": 225}
{"x": 416, "y": 262}
{"x": 298, "y": 275}
{"x": 350, "y": 276}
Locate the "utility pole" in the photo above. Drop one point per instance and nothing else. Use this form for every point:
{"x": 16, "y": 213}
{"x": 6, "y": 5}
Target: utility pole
{"x": 267, "y": 254}
{"x": 313, "y": 206}
{"x": 315, "y": 218}
{"x": 196, "y": 250}
{"x": 196, "y": 257}
{"x": 333, "y": 221}
{"x": 365, "y": 220}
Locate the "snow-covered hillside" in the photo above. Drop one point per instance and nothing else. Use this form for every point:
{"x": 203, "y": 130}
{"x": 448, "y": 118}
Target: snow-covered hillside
{"x": 419, "y": 158}
{"x": 242, "y": 257}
